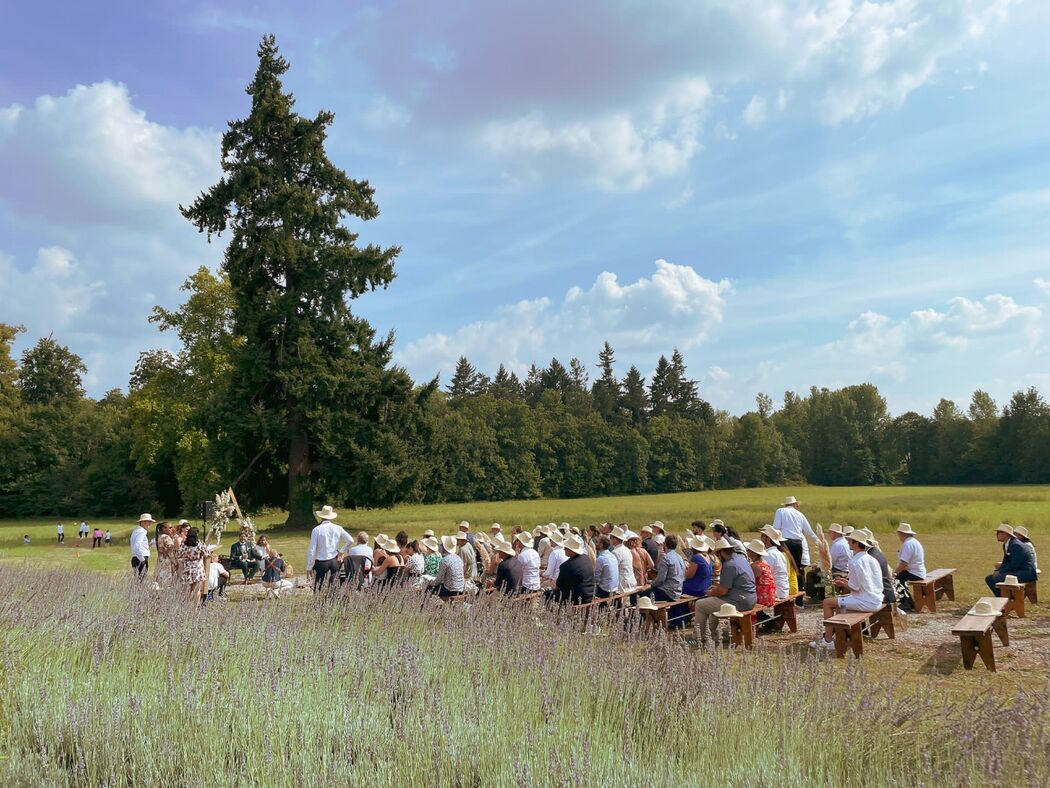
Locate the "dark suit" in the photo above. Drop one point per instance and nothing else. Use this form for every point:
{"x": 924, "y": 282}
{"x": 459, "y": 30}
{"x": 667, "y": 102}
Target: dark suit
{"x": 1017, "y": 560}
{"x": 241, "y": 558}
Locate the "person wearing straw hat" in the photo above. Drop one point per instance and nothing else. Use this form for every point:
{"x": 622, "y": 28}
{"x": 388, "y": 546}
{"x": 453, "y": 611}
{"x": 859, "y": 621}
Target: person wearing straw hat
{"x": 770, "y": 540}
{"x": 606, "y": 568}
{"x": 140, "y": 546}
{"x": 469, "y": 555}
{"x": 431, "y": 557}
{"x": 1021, "y": 534}
{"x": 542, "y": 543}
{"x": 508, "y": 571}
{"x": 911, "y": 564}
{"x": 557, "y": 556}
{"x": 575, "y": 581}
{"x": 495, "y": 530}
{"x": 765, "y": 586}
{"x": 324, "y": 555}
{"x": 889, "y": 593}
{"x": 735, "y": 586}
{"x": 670, "y": 572}
{"x": 450, "y": 580}
{"x": 529, "y": 560}
{"x": 864, "y": 586}
{"x": 659, "y": 533}
{"x": 649, "y": 543}
{"x": 797, "y": 533}
{"x": 838, "y": 550}
{"x": 626, "y": 581}
{"x": 698, "y": 570}
{"x": 1017, "y": 560}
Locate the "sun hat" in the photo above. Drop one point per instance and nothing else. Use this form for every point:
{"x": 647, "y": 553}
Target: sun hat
{"x": 551, "y": 525}
{"x": 772, "y": 534}
{"x": 496, "y": 526}
{"x": 657, "y": 524}
{"x": 449, "y": 543}
{"x": 859, "y": 535}
{"x": 326, "y": 513}
{"x": 462, "y": 536}
{"x": 575, "y": 543}
{"x": 1020, "y": 530}
{"x": 700, "y": 545}
{"x": 565, "y": 526}
{"x": 184, "y": 522}
{"x": 556, "y": 538}
{"x": 525, "y": 538}
{"x": 428, "y": 534}
{"x": 756, "y": 547}
{"x": 628, "y": 535}
{"x": 645, "y": 603}
{"x": 1011, "y": 580}
{"x": 647, "y": 529}
{"x": 847, "y": 530}
{"x": 146, "y": 517}
{"x": 431, "y": 544}
{"x": 506, "y": 548}
{"x": 1006, "y": 529}
{"x": 381, "y": 538}
{"x": 713, "y": 523}
{"x": 790, "y": 500}
{"x": 721, "y": 544}
{"x": 391, "y": 546}
{"x": 619, "y": 533}
{"x": 835, "y": 528}
{"x": 463, "y": 525}
{"x": 905, "y": 528}
{"x": 983, "y": 608}
{"x": 728, "y": 611}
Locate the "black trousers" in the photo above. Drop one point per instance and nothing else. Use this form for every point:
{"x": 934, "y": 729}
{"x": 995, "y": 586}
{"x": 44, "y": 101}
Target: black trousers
{"x": 601, "y": 593}
{"x": 794, "y": 547}
{"x": 248, "y": 568}
{"x": 96, "y": 542}
{"x": 139, "y": 566}
{"x": 61, "y": 538}
{"x": 325, "y": 572}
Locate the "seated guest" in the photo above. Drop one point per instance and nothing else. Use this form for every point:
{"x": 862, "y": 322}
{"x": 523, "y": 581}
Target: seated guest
{"x": 450, "y": 580}
{"x": 723, "y": 531}
{"x": 273, "y": 578}
{"x": 839, "y": 551}
{"x": 529, "y": 560}
{"x": 649, "y": 543}
{"x": 508, "y": 571}
{"x": 626, "y": 581}
{"x": 415, "y": 564}
{"x": 889, "y": 595}
{"x": 911, "y": 564}
{"x": 864, "y": 585}
{"x": 543, "y": 545}
{"x": 469, "y": 554}
{"x": 575, "y": 582}
{"x": 261, "y": 551}
{"x": 735, "y": 586}
{"x": 641, "y": 561}
{"x": 670, "y": 572}
{"x": 1021, "y": 534}
{"x": 1017, "y": 560}
{"x": 698, "y": 527}
{"x": 388, "y": 562}
{"x": 556, "y": 557}
{"x": 218, "y": 577}
{"x": 698, "y": 570}
{"x": 431, "y": 556}
{"x": 401, "y": 537}
{"x": 776, "y": 559}
{"x": 765, "y": 587}
{"x": 608, "y": 574}
{"x": 240, "y": 556}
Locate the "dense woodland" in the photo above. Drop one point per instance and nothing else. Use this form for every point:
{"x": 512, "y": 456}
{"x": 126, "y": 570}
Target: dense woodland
{"x": 557, "y": 433}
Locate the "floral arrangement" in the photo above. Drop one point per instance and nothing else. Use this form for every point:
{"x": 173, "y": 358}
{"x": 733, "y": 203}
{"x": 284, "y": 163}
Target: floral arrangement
{"x": 225, "y": 508}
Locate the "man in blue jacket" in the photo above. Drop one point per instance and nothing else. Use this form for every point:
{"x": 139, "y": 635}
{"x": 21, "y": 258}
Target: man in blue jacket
{"x": 1017, "y": 560}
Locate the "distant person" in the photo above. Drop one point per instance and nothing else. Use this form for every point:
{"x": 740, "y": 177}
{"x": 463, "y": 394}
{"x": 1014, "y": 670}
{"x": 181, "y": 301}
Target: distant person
{"x": 84, "y": 530}
{"x": 432, "y": 557}
{"x": 96, "y": 537}
{"x": 723, "y": 531}
{"x": 670, "y": 572}
{"x": 557, "y": 556}
{"x": 735, "y": 586}
{"x": 109, "y": 537}
{"x": 911, "y": 564}
{"x": 61, "y": 531}
{"x": 838, "y": 551}
{"x": 698, "y": 570}
{"x": 192, "y": 556}
{"x": 469, "y": 554}
{"x": 777, "y": 561}
{"x": 218, "y": 577}
{"x": 323, "y": 556}
{"x": 864, "y": 586}
{"x": 25, "y": 539}
{"x": 1017, "y": 560}
{"x": 626, "y": 582}
{"x": 659, "y": 533}
{"x": 165, "y": 555}
{"x": 889, "y": 594}
{"x": 240, "y": 557}
{"x": 273, "y": 576}
{"x": 415, "y": 563}
{"x": 508, "y": 572}
{"x": 765, "y": 586}
{"x": 140, "y": 545}
{"x": 641, "y": 561}
{"x": 649, "y": 543}
{"x": 698, "y": 527}
{"x": 796, "y": 530}
{"x": 575, "y": 581}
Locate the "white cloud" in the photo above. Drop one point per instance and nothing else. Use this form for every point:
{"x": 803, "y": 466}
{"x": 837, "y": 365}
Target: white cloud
{"x": 48, "y": 295}
{"x": 91, "y": 157}
{"x": 383, "y": 113}
{"x": 754, "y": 114}
{"x": 718, "y": 374}
{"x": 619, "y": 151}
{"x": 675, "y": 307}
{"x": 1043, "y": 284}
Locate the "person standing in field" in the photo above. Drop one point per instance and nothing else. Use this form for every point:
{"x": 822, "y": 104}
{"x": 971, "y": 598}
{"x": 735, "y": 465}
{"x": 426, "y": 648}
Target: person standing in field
{"x": 139, "y": 545}
{"x": 165, "y": 555}
{"x": 193, "y": 557}
{"x": 911, "y": 564}
{"x": 324, "y": 554}
{"x": 109, "y": 537}
{"x": 84, "y": 531}
{"x": 96, "y": 538}
{"x": 60, "y": 529}
{"x": 796, "y": 530}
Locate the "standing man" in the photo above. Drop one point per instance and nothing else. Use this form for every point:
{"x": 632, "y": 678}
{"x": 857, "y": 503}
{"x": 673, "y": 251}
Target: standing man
{"x": 326, "y": 542}
{"x": 139, "y": 545}
{"x": 911, "y": 563}
{"x": 61, "y": 533}
{"x": 84, "y": 529}
{"x": 795, "y": 529}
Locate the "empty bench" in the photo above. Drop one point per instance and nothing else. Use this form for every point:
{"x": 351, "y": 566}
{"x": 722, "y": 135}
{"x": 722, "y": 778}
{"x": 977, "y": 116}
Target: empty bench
{"x": 975, "y": 633}
{"x": 1015, "y": 596}
{"x": 938, "y": 583}
{"x": 848, "y": 629}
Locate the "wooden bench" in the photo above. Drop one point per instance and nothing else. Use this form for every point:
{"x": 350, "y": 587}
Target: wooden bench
{"x": 848, "y": 629}
{"x": 784, "y": 612}
{"x": 615, "y": 599}
{"x": 975, "y": 633}
{"x": 938, "y": 583}
{"x": 1015, "y": 597}
{"x": 659, "y": 616}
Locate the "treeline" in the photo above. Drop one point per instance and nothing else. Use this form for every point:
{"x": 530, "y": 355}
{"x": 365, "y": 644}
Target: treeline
{"x": 172, "y": 439}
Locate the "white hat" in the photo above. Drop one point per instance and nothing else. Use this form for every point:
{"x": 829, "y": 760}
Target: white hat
{"x": 861, "y": 536}
{"x": 449, "y": 543}
{"x": 645, "y": 603}
{"x": 983, "y": 608}
{"x": 146, "y": 517}
{"x": 847, "y": 530}
{"x": 462, "y": 536}
{"x": 381, "y": 538}
{"x": 728, "y": 611}
{"x": 551, "y": 525}
{"x": 463, "y": 525}
{"x": 495, "y": 527}
{"x": 391, "y": 546}
{"x": 184, "y": 522}
{"x": 629, "y": 535}
{"x": 657, "y": 524}
{"x": 619, "y": 533}
{"x": 905, "y": 528}
{"x": 556, "y": 538}
{"x": 431, "y": 543}
{"x": 575, "y": 543}
{"x": 1011, "y": 580}
{"x": 772, "y": 534}
{"x": 1006, "y": 529}
{"x": 525, "y": 538}
{"x": 428, "y": 534}
{"x": 790, "y": 500}
{"x": 721, "y": 544}
{"x": 713, "y": 523}
{"x": 565, "y": 525}
{"x": 505, "y": 547}
{"x": 647, "y": 529}
{"x": 700, "y": 545}
{"x": 756, "y": 547}
{"x": 326, "y": 513}
{"x": 835, "y": 528}
{"x": 1020, "y": 530}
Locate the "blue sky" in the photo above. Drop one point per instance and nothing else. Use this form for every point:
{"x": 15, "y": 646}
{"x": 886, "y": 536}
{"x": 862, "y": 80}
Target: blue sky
{"x": 793, "y": 193}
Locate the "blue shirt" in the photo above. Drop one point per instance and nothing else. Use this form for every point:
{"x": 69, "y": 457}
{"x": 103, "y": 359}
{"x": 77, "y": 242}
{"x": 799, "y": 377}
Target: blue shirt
{"x": 607, "y": 571}
{"x": 698, "y": 584}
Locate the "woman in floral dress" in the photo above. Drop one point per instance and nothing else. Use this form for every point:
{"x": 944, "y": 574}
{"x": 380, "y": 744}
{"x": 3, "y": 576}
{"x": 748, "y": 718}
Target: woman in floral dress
{"x": 165, "y": 555}
{"x": 192, "y": 557}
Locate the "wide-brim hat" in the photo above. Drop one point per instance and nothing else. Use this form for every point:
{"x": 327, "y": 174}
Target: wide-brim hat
{"x": 847, "y": 530}
{"x": 525, "y": 538}
{"x": 756, "y": 547}
{"x": 146, "y": 517}
{"x": 1006, "y": 529}
{"x": 391, "y": 546}
{"x": 835, "y": 528}
{"x": 1020, "y": 530}
{"x": 575, "y": 543}
{"x": 326, "y": 513}
{"x": 556, "y": 538}
{"x": 658, "y": 524}
{"x": 461, "y": 536}
{"x": 715, "y": 522}
{"x": 431, "y": 543}
{"x": 428, "y": 534}
{"x": 449, "y": 543}
{"x": 791, "y": 500}
{"x": 496, "y": 526}
{"x": 728, "y": 611}
{"x": 983, "y": 608}
{"x": 619, "y": 533}
{"x": 463, "y": 525}
{"x": 772, "y": 534}
{"x": 905, "y": 528}
{"x": 506, "y": 548}
{"x": 700, "y": 545}
{"x": 629, "y": 535}
{"x": 1011, "y": 580}
{"x": 184, "y": 522}
{"x": 645, "y": 603}
{"x": 721, "y": 544}
{"x": 647, "y": 529}
{"x": 860, "y": 535}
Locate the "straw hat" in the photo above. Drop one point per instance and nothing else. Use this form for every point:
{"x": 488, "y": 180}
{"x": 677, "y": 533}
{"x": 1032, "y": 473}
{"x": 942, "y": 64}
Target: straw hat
{"x": 905, "y": 528}
{"x": 983, "y": 608}
{"x": 146, "y": 517}
{"x": 728, "y": 611}
{"x": 847, "y": 530}
{"x": 1011, "y": 580}
{"x": 525, "y": 538}
{"x": 645, "y": 603}
{"x": 755, "y": 546}
{"x": 647, "y": 529}
{"x": 791, "y": 500}
{"x": 556, "y": 538}
{"x": 495, "y": 527}
{"x": 462, "y": 536}
{"x": 428, "y": 534}
{"x": 657, "y": 524}
{"x": 1020, "y": 530}
{"x": 463, "y": 525}
{"x": 326, "y": 513}
{"x": 835, "y": 528}
{"x": 860, "y": 535}
{"x": 391, "y": 546}
{"x": 700, "y": 545}
{"x": 628, "y": 535}
{"x": 721, "y": 544}
{"x": 381, "y": 538}
{"x": 618, "y": 533}
{"x": 183, "y": 522}
{"x": 431, "y": 544}
{"x": 506, "y": 548}
{"x": 772, "y": 534}
{"x": 449, "y": 543}
{"x": 575, "y": 543}
{"x": 1004, "y": 528}
{"x": 713, "y": 523}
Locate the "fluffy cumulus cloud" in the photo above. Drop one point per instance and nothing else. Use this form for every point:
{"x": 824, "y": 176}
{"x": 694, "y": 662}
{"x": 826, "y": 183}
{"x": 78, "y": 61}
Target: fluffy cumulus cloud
{"x": 50, "y": 293}
{"x": 675, "y": 306}
{"x": 1043, "y": 284}
{"x": 92, "y": 157}
{"x": 622, "y": 150}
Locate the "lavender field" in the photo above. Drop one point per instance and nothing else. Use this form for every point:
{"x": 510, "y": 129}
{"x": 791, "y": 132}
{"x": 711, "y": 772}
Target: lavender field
{"x": 107, "y": 684}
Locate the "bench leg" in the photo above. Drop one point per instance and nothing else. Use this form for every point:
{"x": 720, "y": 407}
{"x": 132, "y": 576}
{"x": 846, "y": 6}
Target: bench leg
{"x": 1031, "y": 593}
{"x": 968, "y": 643}
{"x": 984, "y": 645}
{"x": 921, "y": 596}
{"x": 736, "y": 632}
{"x": 856, "y": 638}
{"x": 787, "y": 616}
{"x": 949, "y": 587}
{"x": 747, "y": 630}
{"x": 841, "y": 635}
{"x": 999, "y": 625}
{"x": 972, "y": 645}
{"x": 1017, "y": 601}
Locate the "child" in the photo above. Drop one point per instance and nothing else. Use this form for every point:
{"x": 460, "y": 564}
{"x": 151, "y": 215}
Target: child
{"x": 109, "y": 537}
{"x": 25, "y": 539}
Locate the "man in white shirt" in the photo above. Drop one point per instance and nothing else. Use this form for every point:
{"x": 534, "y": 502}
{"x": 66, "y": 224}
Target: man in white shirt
{"x": 218, "y": 577}
{"x": 84, "y": 530}
{"x": 61, "y": 533}
{"x": 556, "y": 558}
{"x": 543, "y": 544}
{"x": 777, "y": 563}
{"x": 795, "y": 529}
{"x": 626, "y": 581}
{"x": 324, "y": 554}
{"x": 839, "y": 551}
{"x": 911, "y": 563}
{"x": 469, "y": 554}
{"x": 139, "y": 545}
{"x": 864, "y": 585}
{"x": 529, "y": 560}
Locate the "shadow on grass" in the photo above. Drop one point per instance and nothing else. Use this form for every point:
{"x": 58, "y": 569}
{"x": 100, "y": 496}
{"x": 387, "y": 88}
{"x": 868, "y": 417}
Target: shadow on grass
{"x": 945, "y": 660}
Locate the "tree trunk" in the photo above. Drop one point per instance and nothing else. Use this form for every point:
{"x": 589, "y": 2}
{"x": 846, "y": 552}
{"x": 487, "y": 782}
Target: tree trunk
{"x": 300, "y": 487}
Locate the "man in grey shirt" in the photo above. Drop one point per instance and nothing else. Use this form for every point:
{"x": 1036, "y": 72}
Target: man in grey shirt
{"x": 449, "y": 580}
{"x": 670, "y": 573}
{"x": 736, "y": 585}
